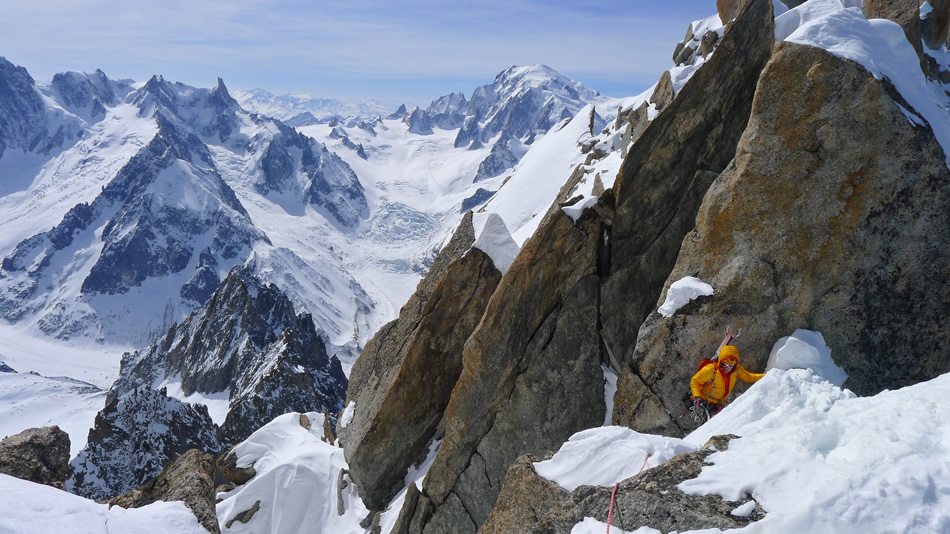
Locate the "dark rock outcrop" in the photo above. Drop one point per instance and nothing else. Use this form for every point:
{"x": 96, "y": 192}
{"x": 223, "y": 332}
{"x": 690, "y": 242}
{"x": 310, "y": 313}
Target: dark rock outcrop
{"x": 666, "y": 174}
{"x": 230, "y": 470}
{"x": 418, "y": 122}
{"x": 134, "y": 438}
{"x": 529, "y": 503}
{"x": 87, "y": 94}
{"x": 637, "y": 120}
{"x": 404, "y": 377}
{"x": 23, "y": 116}
{"x": 531, "y": 373}
{"x": 39, "y": 455}
{"x": 479, "y": 197}
{"x": 815, "y": 227}
{"x": 505, "y": 154}
{"x": 190, "y": 479}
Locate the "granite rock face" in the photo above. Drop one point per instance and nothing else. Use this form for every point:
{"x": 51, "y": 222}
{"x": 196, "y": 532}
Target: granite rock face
{"x": 667, "y": 171}
{"x": 531, "y": 372}
{"x": 39, "y": 455}
{"x": 402, "y": 381}
{"x": 814, "y": 227}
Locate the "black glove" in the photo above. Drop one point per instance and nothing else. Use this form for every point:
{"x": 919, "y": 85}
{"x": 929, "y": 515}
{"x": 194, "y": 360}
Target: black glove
{"x": 696, "y": 401}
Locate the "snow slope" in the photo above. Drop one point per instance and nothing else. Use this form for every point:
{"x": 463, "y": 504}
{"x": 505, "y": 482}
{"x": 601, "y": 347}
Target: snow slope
{"x": 69, "y": 404}
{"x": 28, "y": 507}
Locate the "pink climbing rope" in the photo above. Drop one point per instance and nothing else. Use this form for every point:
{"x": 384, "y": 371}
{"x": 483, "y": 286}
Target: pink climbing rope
{"x": 610, "y": 511}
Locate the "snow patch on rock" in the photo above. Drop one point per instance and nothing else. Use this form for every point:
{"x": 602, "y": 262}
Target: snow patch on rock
{"x": 681, "y": 292}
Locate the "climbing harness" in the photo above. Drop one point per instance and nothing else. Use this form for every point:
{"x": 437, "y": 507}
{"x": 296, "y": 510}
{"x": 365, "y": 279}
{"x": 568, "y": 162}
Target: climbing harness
{"x": 610, "y": 511}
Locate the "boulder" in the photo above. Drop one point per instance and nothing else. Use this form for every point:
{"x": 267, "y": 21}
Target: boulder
{"x": 531, "y": 504}
{"x": 667, "y": 171}
{"x": 531, "y": 374}
{"x": 404, "y": 377}
{"x": 39, "y": 455}
{"x": 663, "y": 94}
{"x": 815, "y": 227}
{"x": 190, "y": 478}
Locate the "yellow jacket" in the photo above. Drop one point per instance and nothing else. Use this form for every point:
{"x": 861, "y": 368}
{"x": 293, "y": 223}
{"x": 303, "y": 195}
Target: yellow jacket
{"x": 713, "y": 385}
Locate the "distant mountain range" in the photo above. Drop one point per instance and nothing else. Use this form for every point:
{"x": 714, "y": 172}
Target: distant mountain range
{"x": 159, "y": 186}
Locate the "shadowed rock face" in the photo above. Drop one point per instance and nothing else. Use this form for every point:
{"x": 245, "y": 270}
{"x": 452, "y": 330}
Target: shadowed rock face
{"x": 815, "y": 226}
{"x": 39, "y": 455}
{"x": 668, "y": 170}
{"x": 531, "y": 504}
{"x": 190, "y": 478}
{"x": 398, "y": 407}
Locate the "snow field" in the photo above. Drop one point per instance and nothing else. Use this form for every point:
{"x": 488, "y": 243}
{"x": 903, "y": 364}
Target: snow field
{"x": 66, "y": 403}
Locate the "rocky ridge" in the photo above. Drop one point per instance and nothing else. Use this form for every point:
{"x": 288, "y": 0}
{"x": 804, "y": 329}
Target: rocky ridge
{"x": 531, "y": 504}
{"x": 134, "y": 438}
{"x": 249, "y": 343}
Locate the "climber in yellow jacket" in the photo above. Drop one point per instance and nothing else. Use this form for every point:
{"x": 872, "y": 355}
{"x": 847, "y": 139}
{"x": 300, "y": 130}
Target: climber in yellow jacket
{"x": 714, "y": 382}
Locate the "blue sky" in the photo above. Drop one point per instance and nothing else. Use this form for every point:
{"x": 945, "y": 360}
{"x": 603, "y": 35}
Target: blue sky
{"x": 395, "y": 51}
